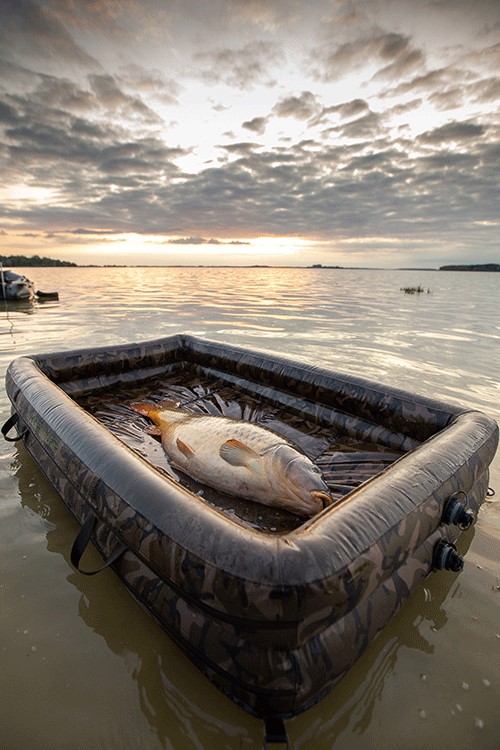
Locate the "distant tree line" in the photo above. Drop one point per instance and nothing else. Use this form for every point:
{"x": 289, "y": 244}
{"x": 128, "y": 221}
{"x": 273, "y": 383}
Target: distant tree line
{"x": 34, "y": 260}
{"x": 476, "y": 267}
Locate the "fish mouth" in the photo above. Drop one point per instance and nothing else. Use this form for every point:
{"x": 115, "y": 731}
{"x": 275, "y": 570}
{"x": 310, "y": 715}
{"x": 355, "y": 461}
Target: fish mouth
{"x": 323, "y": 498}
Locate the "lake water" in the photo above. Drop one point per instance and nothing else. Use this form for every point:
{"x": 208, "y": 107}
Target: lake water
{"x": 82, "y": 665}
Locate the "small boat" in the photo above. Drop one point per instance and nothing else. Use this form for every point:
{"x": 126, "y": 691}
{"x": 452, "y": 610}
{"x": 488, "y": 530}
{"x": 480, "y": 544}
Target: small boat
{"x": 272, "y": 608}
{"x": 14, "y": 286}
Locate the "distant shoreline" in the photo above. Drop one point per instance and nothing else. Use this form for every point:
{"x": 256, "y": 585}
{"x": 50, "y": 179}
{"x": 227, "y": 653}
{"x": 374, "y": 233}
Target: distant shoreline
{"x": 476, "y": 267}
{"x": 34, "y": 261}
{"x": 22, "y": 261}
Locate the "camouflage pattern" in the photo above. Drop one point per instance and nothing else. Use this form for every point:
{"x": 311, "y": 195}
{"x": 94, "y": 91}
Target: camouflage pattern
{"x": 273, "y": 615}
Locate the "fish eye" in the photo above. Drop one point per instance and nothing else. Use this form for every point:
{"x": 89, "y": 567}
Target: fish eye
{"x": 315, "y": 469}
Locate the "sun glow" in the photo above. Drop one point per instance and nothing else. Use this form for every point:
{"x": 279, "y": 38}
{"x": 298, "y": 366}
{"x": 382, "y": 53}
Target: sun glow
{"x": 23, "y": 193}
{"x": 128, "y": 248}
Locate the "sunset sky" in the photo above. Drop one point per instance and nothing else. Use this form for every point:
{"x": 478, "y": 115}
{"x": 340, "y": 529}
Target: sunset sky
{"x": 291, "y": 132}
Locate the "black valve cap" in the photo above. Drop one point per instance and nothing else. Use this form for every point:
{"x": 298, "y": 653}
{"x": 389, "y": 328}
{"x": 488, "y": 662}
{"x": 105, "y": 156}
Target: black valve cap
{"x": 455, "y": 513}
{"x": 446, "y": 557}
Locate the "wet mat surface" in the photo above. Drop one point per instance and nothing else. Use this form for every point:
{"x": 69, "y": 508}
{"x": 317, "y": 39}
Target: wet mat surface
{"x": 344, "y": 461}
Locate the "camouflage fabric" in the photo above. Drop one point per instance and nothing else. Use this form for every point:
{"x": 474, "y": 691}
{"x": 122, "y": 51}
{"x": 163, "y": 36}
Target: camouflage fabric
{"x": 273, "y": 617}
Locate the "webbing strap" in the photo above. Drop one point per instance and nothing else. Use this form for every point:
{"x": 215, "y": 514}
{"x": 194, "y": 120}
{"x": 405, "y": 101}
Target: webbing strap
{"x": 12, "y": 420}
{"x": 275, "y": 732}
{"x": 80, "y": 545}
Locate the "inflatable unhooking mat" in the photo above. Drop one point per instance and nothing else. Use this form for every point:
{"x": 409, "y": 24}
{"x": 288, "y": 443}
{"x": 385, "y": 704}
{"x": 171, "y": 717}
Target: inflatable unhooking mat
{"x": 273, "y": 608}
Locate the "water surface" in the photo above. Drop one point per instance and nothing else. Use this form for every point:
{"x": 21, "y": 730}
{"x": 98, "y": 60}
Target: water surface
{"x": 83, "y": 665}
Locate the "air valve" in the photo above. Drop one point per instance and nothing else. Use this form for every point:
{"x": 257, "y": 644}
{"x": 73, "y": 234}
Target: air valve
{"x": 457, "y": 513}
{"x": 446, "y": 557}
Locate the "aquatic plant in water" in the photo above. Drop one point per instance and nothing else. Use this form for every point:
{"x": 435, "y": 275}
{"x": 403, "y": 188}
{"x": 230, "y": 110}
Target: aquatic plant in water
{"x": 414, "y": 289}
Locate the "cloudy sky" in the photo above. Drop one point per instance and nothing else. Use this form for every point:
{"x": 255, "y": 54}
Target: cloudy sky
{"x": 288, "y": 132}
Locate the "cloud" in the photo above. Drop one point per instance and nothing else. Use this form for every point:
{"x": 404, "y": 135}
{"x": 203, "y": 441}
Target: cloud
{"x": 151, "y": 83}
{"x": 112, "y": 97}
{"x": 186, "y": 241}
{"x": 447, "y": 87}
{"x": 115, "y": 174}
{"x": 405, "y": 63}
{"x": 95, "y": 149}
{"x": 244, "y": 148}
{"x": 83, "y": 231}
{"x": 31, "y": 31}
{"x": 62, "y": 135}
{"x": 393, "y": 51}
{"x": 301, "y": 107}
{"x": 8, "y": 114}
{"x": 201, "y": 241}
{"x": 344, "y": 110}
{"x": 241, "y": 68}
{"x": 263, "y": 14}
{"x": 16, "y": 77}
{"x": 447, "y": 99}
{"x": 455, "y": 132}
{"x": 487, "y": 90}
{"x": 363, "y": 127}
{"x": 256, "y": 125}
{"x": 376, "y": 187}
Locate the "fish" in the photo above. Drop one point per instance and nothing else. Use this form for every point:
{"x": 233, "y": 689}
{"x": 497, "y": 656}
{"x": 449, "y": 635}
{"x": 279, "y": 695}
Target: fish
{"x": 238, "y": 457}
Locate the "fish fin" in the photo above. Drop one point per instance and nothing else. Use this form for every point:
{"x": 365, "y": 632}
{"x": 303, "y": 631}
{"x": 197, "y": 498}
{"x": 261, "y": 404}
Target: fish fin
{"x": 237, "y": 453}
{"x": 185, "y": 448}
{"x": 151, "y": 430}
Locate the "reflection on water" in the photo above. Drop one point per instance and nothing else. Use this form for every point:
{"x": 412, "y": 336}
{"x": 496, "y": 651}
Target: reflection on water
{"x": 83, "y": 665}
{"x": 179, "y": 716}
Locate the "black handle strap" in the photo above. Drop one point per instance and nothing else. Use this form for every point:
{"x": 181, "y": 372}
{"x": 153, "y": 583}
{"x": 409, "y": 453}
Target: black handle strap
{"x": 10, "y": 423}
{"x": 80, "y": 545}
{"x": 275, "y": 732}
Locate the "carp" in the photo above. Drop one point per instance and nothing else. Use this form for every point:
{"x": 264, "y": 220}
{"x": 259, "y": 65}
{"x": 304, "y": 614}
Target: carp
{"x": 238, "y": 457}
